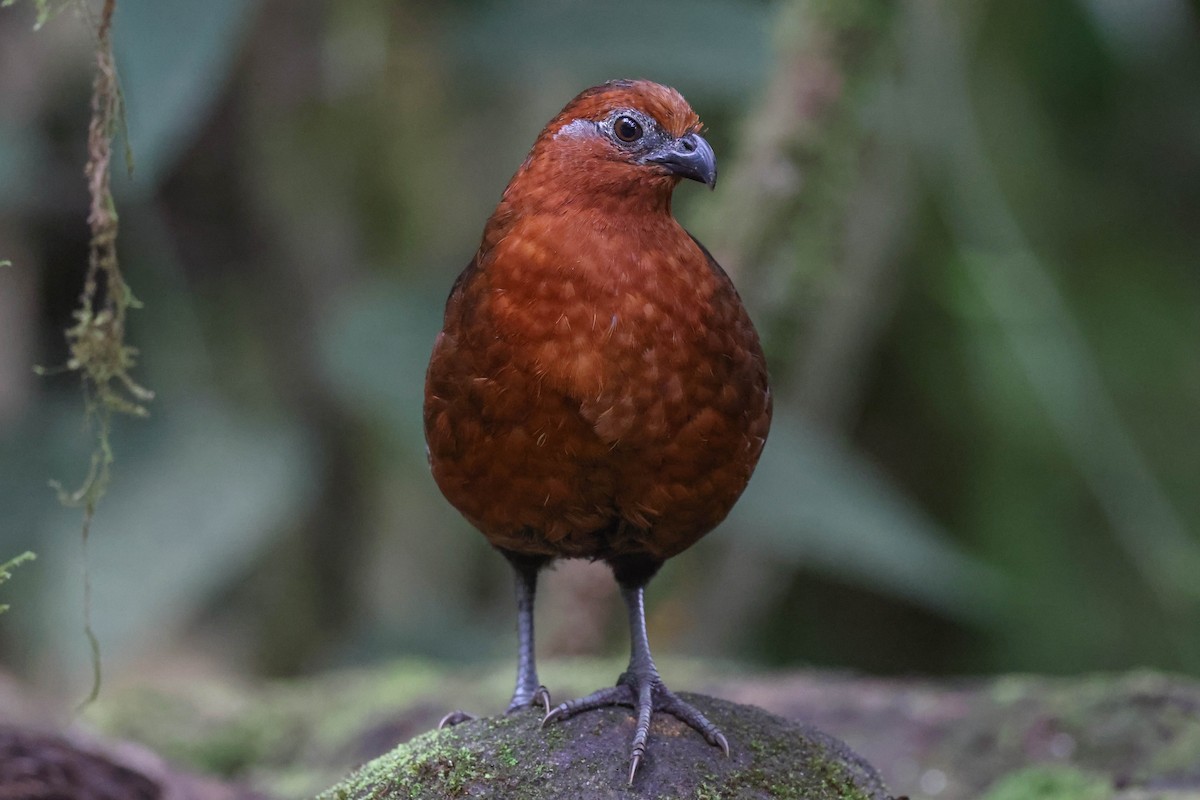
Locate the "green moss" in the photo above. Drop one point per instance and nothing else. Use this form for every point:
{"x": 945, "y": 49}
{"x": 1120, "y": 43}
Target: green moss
{"x": 1051, "y": 783}
{"x": 444, "y": 761}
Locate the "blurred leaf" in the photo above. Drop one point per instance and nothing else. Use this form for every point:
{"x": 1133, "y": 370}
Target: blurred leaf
{"x": 1035, "y": 319}
{"x": 173, "y": 58}
{"x": 815, "y": 502}
{"x": 374, "y": 350}
{"x": 187, "y": 515}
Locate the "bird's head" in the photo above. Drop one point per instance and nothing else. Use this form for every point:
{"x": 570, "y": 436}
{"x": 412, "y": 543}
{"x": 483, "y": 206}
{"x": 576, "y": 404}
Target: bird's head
{"x": 627, "y": 140}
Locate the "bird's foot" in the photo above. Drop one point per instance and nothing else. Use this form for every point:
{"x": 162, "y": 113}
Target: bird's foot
{"x": 646, "y": 695}
{"x": 524, "y": 697}
{"x": 538, "y": 697}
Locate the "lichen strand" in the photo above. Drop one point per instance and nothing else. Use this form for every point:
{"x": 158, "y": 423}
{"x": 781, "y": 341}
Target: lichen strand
{"x": 98, "y": 352}
{"x": 586, "y": 758}
{"x": 97, "y": 339}
{"x": 7, "y": 567}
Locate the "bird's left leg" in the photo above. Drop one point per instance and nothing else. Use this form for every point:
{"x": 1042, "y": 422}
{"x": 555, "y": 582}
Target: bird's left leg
{"x": 640, "y": 686}
{"x": 528, "y": 691}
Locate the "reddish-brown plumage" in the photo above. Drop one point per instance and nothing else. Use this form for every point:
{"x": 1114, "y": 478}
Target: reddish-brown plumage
{"x": 598, "y": 388}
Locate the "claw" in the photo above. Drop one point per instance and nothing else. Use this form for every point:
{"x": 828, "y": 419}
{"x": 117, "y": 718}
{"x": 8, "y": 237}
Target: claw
{"x": 542, "y": 696}
{"x": 722, "y": 743}
{"x": 527, "y": 699}
{"x": 633, "y": 765}
{"x": 552, "y": 714}
{"x": 454, "y": 718}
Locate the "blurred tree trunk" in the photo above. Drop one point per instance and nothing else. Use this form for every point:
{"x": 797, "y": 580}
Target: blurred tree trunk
{"x": 298, "y": 95}
{"x": 313, "y": 567}
{"x": 811, "y": 223}
{"x": 303, "y": 595}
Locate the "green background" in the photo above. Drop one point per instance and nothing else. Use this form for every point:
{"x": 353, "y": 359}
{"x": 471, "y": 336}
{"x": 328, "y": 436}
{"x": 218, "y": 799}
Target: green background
{"x": 968, "y": 232}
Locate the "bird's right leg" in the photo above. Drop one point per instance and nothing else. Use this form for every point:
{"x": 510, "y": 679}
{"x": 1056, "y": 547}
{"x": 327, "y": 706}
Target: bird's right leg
{"x": 529, "y": 691}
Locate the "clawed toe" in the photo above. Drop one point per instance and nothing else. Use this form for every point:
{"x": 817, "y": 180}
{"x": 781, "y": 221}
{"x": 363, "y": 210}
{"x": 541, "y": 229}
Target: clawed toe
{"x": 550, "y": 716}
{"x": 619, "y": 695}
{"x": 522, "y": 700}
{"x": 685, "y": 712}
{"x": 542, "y": 698}
{"x": 454, "y": 718}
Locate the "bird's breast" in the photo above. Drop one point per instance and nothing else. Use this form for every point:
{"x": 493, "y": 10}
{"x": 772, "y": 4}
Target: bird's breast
{"x": 621, "y": 328}
{"x": 590, "y": 379}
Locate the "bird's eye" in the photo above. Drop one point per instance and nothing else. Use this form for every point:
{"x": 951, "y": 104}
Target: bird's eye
{"x": 627, "y": 129}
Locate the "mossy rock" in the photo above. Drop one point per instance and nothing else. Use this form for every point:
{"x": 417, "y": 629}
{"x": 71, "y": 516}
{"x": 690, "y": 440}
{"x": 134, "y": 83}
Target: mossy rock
{"x": 587, "y": 758}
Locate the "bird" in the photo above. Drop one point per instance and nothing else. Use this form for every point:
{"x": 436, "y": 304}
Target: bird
{"x": 598, "y": 390}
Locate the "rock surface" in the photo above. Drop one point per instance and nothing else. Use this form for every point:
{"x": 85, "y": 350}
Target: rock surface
{"x": 587, "y": 758}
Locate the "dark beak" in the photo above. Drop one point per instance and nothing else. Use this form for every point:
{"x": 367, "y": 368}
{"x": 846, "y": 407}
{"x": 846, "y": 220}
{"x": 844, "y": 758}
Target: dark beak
{"x": 688, "y": 157}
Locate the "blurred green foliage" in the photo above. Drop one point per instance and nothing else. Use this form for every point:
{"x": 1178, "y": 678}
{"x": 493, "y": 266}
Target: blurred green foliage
{"x": 967, "y": 232}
